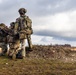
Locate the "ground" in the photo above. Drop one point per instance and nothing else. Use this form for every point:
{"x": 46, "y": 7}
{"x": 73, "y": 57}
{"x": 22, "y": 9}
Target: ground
{"x": 43, "y": 60}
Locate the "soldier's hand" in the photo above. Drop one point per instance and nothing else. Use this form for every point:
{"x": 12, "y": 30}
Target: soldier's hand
{"x": 28, "y": 31}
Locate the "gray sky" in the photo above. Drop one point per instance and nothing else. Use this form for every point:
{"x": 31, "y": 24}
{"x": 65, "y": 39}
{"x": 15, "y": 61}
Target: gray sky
{"x": 54, "y": 21}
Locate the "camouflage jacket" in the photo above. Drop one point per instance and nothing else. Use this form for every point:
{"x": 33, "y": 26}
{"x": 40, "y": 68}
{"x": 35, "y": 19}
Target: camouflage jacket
{"x": 3, "y": 32}
{"x": 24, "y": 23}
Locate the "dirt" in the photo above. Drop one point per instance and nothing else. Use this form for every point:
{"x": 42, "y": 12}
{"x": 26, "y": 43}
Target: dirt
{"x": 42, "y": 60}
{"x": 60, "y": 52}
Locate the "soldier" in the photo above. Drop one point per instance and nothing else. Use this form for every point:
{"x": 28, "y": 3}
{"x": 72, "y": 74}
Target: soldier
{"x": 3, "y": 42}
{"x": 24, "y": 29}
{"x": 14, "y": 42}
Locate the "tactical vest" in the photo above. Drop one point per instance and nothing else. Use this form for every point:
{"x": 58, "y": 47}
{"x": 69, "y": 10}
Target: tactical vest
{"x": 23, "y": 23}
{"x": 24, "y": 26}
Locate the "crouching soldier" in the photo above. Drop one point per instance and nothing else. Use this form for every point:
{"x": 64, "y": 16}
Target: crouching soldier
{"x": 3, "y": 42}
{"x": 13, "y": 41}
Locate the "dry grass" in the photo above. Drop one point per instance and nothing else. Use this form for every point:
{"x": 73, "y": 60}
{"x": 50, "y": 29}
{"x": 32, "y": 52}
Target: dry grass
{"x": 39, "y": 62}
{"x": 36, "y": 67}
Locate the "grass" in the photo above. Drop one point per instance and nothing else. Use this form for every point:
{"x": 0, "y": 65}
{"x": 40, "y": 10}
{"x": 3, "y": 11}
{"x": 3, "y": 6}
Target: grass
{"x": 35, "y": 66}
{"x": 43, "y": 60}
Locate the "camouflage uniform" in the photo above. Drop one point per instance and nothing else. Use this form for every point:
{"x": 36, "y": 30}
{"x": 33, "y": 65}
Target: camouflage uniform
{"x": 3, "y": 44}
{"x": 14, "y": 42}
{"x": 23, "y": 25}
{"x": 29, "y": 24}
{"x": 3, "y": 47}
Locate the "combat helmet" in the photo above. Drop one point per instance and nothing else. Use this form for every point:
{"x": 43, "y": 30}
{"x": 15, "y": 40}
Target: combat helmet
{"x": 2, "y": 25}
{"x": 12, "y": 23}
{"x": 22, "y": 10}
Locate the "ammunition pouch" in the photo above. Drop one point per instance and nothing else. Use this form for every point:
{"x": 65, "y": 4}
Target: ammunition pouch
{"x": 15, "y": 32}
{"x": 29, "y": 31}
{"x": 10, "y": 39}
{"x": 22, "y": 34}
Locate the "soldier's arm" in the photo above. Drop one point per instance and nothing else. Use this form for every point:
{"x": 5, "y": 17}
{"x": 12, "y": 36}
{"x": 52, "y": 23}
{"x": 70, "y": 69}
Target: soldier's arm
{"x": 16, "y": 26}
{"x": 29, "y": 23}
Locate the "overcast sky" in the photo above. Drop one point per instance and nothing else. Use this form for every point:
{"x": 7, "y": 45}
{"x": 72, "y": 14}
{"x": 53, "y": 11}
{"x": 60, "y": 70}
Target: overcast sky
{"x": 54, "y": 21}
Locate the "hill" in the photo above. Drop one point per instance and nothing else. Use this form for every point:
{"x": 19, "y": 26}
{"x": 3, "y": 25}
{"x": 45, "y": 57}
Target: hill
{"x": 43, "y": 60}
{"x": 60, "y": 52}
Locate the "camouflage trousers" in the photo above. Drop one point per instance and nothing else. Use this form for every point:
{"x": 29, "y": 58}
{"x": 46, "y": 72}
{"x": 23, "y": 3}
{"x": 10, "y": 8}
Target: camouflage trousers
{"x": 29, "y": 41}
{"x": 23, "y": 42}
{"x": 13, "y": 49}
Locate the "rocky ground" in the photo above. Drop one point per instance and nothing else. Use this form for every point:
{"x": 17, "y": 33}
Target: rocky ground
{"x": 43, "y": 60}
{"x": 59, "y": 52}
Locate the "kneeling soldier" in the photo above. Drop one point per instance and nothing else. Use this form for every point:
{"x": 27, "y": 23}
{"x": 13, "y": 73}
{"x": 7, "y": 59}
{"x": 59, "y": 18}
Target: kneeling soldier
{"x": 14, "y": 42}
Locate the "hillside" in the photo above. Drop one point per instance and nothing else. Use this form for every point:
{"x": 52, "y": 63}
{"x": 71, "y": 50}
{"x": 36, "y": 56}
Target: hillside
{"x": 43, "y": 60}
{"x": 60, "y": 52}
